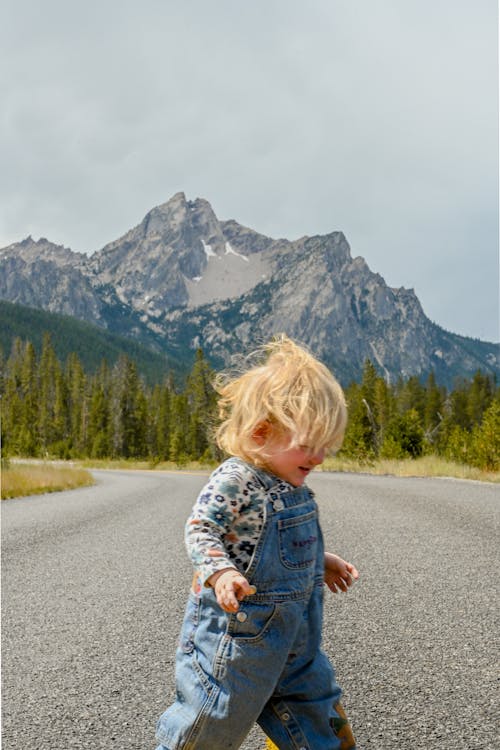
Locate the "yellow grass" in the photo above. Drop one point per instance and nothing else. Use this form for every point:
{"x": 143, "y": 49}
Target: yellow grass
{"x": 426, "y": 466}
{"x": 109, "y": 463}
{"x": 18, "y": 480}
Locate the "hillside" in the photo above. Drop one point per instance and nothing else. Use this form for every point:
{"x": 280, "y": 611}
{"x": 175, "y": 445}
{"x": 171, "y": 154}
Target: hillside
{"x": 90, "y": 343}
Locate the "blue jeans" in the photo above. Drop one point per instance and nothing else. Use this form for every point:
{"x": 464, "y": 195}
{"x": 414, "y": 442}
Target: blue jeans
{"x": 264, "y": 663}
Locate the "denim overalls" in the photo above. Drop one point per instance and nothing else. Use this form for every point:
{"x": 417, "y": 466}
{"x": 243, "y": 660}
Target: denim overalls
{"x": 263, "y": 663}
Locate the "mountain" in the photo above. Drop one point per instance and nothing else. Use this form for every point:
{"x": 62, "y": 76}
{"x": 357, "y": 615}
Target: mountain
{"x": 90, "y": 343}
{"x": 182, "y": 279}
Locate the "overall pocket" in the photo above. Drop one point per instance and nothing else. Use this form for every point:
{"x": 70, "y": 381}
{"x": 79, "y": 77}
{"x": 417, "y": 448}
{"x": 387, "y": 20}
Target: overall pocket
{"x": 252, "y": 621}
{"x": 298, "y": 540}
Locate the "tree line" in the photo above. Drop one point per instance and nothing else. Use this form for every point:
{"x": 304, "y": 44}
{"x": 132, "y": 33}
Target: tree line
{"x": 413, "y": 418}
{"x": 55, "y": 409}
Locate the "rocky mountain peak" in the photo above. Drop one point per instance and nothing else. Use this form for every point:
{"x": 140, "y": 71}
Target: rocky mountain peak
{"x": 52, "y": 277}
{"x": 186, "y": 277}
{"x": 31, "y": 251}
{"x": 169, "y": 216}
{"x": 183, "y": 223}
{"x": 333, "y": 246}
{"x": 179, "y": 255}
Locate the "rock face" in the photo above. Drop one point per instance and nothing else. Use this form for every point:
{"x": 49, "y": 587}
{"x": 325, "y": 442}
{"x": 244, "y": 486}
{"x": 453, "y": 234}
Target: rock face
{"x": 178, "y": 256}
{"x": 185, "y": 279}
{"x": 51, "y": 277}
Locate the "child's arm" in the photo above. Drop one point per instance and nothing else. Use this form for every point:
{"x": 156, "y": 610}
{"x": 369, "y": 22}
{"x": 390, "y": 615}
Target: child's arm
{"x": 222, "y": 506}
{"x": 211, "y": 523}
{"x": 230, "y": 588}
{"x": 339, "y": 574}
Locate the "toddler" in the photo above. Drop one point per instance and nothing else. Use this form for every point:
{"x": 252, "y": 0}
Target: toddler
{"x": 249, "y": 649}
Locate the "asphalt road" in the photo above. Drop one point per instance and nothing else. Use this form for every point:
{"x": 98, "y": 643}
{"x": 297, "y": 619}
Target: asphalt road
{"x": 94, "y": 586}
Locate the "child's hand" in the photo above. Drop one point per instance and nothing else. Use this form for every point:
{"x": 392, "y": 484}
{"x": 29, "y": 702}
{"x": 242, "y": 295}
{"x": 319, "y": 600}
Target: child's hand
{"x": 230, "y": 588}
{"x": 339, "y": 574}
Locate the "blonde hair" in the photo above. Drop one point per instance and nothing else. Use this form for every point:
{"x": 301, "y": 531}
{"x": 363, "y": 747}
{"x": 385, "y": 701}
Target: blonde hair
{"x": 289, "y": 391}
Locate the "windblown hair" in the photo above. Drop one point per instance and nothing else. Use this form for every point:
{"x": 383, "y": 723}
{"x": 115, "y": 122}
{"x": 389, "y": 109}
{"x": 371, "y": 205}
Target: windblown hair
{"x": 287, "y": 392}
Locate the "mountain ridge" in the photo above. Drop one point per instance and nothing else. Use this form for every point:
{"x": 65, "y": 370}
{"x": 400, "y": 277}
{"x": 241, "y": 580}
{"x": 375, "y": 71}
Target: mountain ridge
{"x": 181, "y": 278}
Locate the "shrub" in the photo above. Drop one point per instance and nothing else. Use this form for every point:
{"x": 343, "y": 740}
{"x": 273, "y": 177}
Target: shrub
{"x": 485, "y": 440}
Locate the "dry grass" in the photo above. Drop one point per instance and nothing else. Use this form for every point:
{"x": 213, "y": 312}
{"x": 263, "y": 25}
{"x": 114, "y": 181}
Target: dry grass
{"x": 426, "y": 466}
{"x": 30, "y": 478}
{"x": 133, "y": 465}
{"x": 18, "y": 480}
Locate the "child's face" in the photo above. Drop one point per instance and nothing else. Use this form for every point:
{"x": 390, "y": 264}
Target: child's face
{"x": 293, "y": 464}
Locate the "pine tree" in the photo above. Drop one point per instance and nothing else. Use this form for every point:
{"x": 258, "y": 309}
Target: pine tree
{"x": 76, "y": 403}
{"x": 359, "y": 438}
{"x": 384, "y": 408}
{"x": 368, "y": 399}
{"x": 140, "y": 449}
{"x": 61, "y": 442}
{"x": 161, "y": 421}
{"x": 368, "y": 382}
{"x": 127, "y": 411}
{"x": 27, "y": 444}
{"x": 98, "y": 442}
{"x": 3, "y": 367}
{"x": 49, "y": 373}
{"x": 404, "y": 437}
{"x": 12, "y": 402}
{"x": 433, "y": 409}
{"x": 459, "y": 408}
{"x": 412, "y": 396}
{"x": 201, "y": 399}
{"x": 479, "y": 397}
{"x": 180, "y": 425}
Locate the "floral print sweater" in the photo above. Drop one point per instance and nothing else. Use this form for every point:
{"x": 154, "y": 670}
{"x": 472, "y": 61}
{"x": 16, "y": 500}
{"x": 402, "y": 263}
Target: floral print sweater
{"x": 224, "y": 526}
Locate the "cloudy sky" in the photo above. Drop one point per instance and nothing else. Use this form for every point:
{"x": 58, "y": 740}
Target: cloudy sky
{"x": 374, "y": 117}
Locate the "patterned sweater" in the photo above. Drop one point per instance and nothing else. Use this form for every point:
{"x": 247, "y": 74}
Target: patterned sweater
{"x": 224, "y": 526}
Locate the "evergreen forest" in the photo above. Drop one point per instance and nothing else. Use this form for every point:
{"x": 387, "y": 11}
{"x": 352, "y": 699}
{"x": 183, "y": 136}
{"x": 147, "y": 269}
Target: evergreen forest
{"x": 55, "y": 409}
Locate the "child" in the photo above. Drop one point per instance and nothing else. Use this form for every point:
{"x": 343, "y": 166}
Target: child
{"x": 249, "y": 649}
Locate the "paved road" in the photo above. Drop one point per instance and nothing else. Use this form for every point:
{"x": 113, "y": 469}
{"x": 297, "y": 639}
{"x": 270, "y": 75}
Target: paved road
{"x": 94, "y": 584}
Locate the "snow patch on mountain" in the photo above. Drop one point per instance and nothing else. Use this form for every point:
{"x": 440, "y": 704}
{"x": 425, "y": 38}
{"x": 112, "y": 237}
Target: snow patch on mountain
{"x": 230, "y": 251}
{"x": 227, "y": 276}
{"x": 208, "y": 250}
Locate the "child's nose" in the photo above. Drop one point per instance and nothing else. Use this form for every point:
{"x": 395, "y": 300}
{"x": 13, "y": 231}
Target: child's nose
{"x": 317, "y": 457}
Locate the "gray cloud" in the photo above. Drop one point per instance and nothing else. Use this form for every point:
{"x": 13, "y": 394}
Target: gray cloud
{"x": 379, "y": 119}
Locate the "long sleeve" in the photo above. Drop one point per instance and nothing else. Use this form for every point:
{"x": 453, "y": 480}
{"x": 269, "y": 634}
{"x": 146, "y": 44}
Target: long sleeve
{"x": 226, "y": 520}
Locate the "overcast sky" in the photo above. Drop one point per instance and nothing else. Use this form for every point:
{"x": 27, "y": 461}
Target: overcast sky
{"x": 374, "y": 117}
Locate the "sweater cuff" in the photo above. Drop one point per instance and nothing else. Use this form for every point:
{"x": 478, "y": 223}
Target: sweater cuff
{"x": 205, "y": 571}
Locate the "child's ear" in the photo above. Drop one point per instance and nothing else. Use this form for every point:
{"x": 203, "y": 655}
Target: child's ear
{"x": 261, "y": 432}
